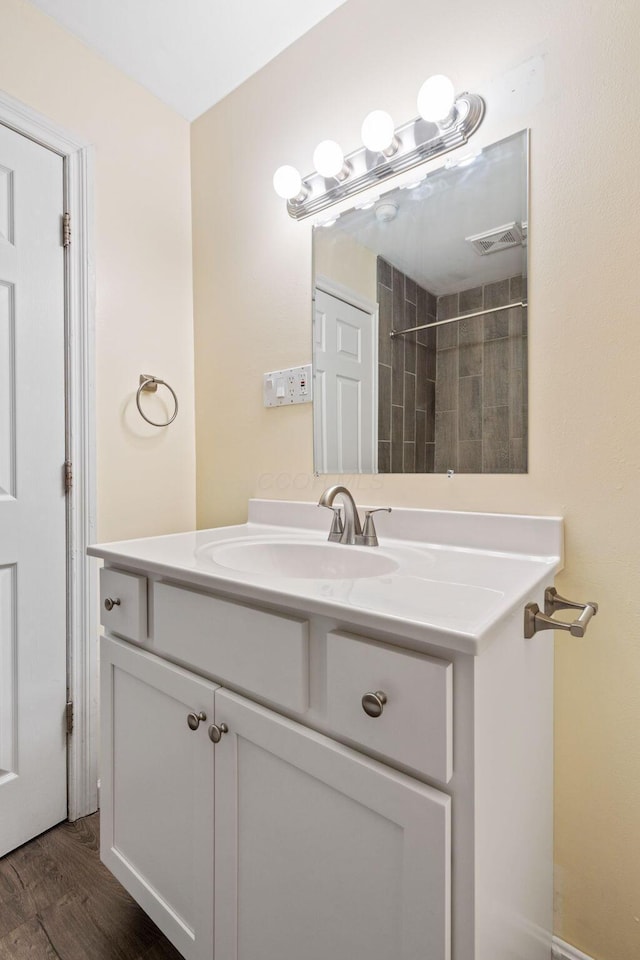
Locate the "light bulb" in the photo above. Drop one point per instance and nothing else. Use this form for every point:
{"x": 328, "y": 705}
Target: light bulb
{"x": 378, "y": 131}
{"x": 329, "y": 158}
{"x": 287, "y": 182}
{"x": 436, "y": 98}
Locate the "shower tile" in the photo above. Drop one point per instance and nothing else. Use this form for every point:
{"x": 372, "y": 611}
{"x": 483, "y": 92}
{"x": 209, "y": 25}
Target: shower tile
{"x": 384, "y": 402}
{"x": 397, "y": 451}
{"x": 384, "y": 457}
{"x": 384, "y": 272}
{"x": 470, "y": 456}
{"x": 495, "y": 424}
{"x": 398, "y": 300}
{"x": 409, "y": 458}
{"x": 446, "y": 455}
{"x": 518, "y": 455}
{"x": 385, "y": 317}
{"x": 495, "y": 456}
{"x": 470, "y": 300}
{"x": 495, "y": 375}
{"x": 470, "y": 360}
{"x": 470, "y": 409}
{"x": 496, "y": 325}
{"x": 397, "y": 371}
{"x": 430, "y": 454}
{"x": 410, "y": 289}
{"x": 447, "y": 380}
{"x": 409, "y": 406}
{"x": 496, "y": 294}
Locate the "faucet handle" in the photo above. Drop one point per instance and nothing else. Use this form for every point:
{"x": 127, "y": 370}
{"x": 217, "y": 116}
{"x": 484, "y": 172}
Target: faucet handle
{"x": 369, "y": 535}
{"x": 337, "y": 527}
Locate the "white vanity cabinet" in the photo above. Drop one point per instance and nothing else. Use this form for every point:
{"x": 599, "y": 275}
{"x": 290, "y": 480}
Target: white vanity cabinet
{"x": 381, "y": 782}
{"x": 314, "y": 850}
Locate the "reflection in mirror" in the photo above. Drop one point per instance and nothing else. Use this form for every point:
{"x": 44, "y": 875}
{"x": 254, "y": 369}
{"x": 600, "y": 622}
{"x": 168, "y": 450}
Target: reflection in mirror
{"x": 447, "y": 255}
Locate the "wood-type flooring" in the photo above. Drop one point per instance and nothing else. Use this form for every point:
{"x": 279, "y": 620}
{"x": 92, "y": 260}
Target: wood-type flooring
{"x": 58, "y": 902}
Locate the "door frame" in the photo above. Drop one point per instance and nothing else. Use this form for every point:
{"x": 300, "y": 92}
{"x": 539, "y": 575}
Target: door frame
{"x": 349, "y": 296}
{"x": 79, "y": 282}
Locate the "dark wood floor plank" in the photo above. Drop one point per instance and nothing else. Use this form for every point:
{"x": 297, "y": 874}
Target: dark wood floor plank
{"x": 74, "y": 935}
{"x": 58, "y": 902}
{"x": 28, "y": 942}
{"x": 16, "y": 903}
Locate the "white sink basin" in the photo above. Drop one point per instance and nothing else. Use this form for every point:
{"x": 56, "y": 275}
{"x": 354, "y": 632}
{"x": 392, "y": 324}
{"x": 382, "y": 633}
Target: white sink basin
{"x": 317, "y": 561}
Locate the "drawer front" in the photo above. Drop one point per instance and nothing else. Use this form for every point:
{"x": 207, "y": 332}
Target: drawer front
{"x": 414, "y": 726}
{"x": 128, "y": 617}
{"x": 260, "y": 652}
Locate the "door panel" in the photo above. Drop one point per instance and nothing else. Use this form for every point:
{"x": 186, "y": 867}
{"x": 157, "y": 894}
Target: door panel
{"x": 32, "y": 504}
{"x": 321, "y": 852}
{"x": 157, "y": 792}
{"x": 345, "y": 407}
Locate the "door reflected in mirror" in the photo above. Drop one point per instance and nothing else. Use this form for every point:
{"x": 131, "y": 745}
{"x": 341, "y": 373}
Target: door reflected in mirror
{"x": 446, "y": 255}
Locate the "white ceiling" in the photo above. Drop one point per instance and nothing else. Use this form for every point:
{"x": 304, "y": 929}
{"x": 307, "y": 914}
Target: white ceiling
{"x": 426, "y": 240}
{"x": 189, "y": 53}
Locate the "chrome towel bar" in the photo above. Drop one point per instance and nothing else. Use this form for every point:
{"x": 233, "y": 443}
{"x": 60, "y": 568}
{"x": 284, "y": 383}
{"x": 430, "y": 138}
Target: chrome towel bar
{"x": 534, "y": 620}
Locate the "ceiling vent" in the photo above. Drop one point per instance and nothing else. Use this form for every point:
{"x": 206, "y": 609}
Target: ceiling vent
{"x": 500, "y": 238}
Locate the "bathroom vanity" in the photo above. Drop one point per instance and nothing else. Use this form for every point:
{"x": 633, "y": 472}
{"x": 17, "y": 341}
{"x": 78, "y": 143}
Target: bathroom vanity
{"x": 312, "y": 750}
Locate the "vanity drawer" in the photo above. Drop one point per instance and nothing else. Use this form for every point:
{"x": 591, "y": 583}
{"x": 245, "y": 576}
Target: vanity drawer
{"x": 126, "y": 595}
{"x": 415, "y": 725}
{"x": 258, "y": 651}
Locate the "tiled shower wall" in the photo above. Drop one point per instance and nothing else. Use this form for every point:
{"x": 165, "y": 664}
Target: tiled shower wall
{"x": 453, "y": 397}
{"x": 406, "y": 375}
{"x": 481, "y": 382}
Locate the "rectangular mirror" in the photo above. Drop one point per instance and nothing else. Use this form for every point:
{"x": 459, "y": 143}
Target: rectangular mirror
{"x": 447, "y": 254}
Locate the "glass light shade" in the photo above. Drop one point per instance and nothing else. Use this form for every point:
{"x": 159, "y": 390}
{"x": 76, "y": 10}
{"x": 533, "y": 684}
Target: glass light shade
{"x": 287, "y": 182}
{"x": 328, "y": 158}
{"x": 436, "y": 98}
{"x": 378, "y": 131}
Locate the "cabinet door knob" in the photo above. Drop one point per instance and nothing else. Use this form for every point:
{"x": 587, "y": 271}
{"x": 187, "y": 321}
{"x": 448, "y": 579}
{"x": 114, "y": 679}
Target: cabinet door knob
{"x": 193, "y": 719}
{"x": 373, "y": 703}
{"x": 216, "y": 730}
{"x": 110, "y": 603}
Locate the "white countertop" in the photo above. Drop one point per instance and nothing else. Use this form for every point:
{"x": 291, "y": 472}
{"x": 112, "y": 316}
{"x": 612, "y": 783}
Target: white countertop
{"x": 457, "y": 575}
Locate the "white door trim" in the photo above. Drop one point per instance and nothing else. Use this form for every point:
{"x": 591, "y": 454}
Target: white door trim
{"x": 564, "y": 951}
{"x": 80, "y": 444}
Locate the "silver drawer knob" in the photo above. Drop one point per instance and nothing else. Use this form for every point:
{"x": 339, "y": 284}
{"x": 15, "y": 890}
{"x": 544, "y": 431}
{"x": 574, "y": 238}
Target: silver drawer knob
{"x": 110, "y": 604}
{"x": 373, "y": 703}
{"x": 193, "y": 719}
{"x": 216, "y": 730}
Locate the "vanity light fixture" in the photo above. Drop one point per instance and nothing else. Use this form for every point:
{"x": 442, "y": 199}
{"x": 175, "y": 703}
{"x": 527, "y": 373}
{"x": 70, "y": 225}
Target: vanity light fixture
{"x": 379, "y": 133}
{"x": 329, "y": 160}
{"x": 436, "y": 99}
{"x": 287, "y": 183}
{"x": 445, "y": 122}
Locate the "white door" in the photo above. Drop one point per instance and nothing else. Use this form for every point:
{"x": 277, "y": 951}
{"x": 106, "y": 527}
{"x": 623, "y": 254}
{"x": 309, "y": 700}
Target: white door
{"x": 33, "y": 771}
{"x": 344, "y": 389}
{"x": 156, "y": 812}
{"x": 320, "y": 852}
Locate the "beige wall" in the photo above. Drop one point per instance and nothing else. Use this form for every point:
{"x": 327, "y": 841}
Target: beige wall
{"x": 340, "y": 258}
{"x": 252, "y": 293}
{"x": 144, "y": 314}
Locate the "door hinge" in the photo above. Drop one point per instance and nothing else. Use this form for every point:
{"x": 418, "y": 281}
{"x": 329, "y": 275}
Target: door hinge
{"x": 69, "y": 716}
{"x": 68, "y": 476}
{"x": 66, "y": 229}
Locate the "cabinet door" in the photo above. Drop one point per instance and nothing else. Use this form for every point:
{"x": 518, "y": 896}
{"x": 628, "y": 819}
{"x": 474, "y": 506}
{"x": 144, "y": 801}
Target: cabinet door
{"x": 321, "y": 852}
{"x": 157, "y": 792}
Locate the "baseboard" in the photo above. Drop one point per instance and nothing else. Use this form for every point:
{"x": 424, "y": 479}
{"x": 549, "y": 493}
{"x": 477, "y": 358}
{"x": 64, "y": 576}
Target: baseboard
{"x": 564, "y": 951}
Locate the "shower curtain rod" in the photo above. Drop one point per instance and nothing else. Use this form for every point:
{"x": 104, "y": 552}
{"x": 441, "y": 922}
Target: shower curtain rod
{"x": 463, "y": 316}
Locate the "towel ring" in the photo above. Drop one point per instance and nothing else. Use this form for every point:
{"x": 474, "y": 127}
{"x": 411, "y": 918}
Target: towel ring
{"x": 149, "y": 384}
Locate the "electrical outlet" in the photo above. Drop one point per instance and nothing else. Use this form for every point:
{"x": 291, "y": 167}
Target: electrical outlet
{"x": 285, "y": 387}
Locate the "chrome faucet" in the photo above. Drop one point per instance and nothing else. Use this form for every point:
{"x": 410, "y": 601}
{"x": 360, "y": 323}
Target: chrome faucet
{"x": 349, "y": 530}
